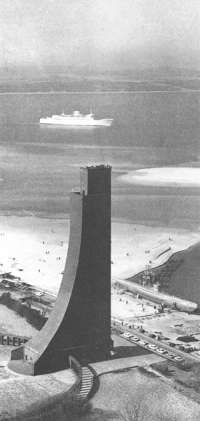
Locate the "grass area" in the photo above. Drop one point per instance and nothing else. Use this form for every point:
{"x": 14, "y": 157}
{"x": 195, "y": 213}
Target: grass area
{"x": 187, "y": 376}
{"x": 137, "y": 387}
{"x": 43, "y": 398}
{"x": 162, "y": 273}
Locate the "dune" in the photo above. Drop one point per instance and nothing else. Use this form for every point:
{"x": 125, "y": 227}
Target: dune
{"x": 136, "y": 247}
{"x": 185, "y": 281}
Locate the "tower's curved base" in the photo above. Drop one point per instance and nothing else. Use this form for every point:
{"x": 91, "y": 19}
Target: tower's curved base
{"x": 79, "y": 325}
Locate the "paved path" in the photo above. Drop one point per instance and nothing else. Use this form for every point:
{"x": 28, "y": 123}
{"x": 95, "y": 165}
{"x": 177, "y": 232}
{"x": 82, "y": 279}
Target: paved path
{"x": 125, "y": 363}
{"x": 65, "y": 376}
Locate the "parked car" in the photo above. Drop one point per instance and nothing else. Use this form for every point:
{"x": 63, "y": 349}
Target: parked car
{"x": 126, "y": 335}
{"x": 152, "y": 346}
{"x": 178, "y": 358}
{"x": 134, "y": 339}
{"x": 171, "y": 344}
{"x": 172, "y": 356}
{"x": 161, "y": 350}
{"x": 143, "y": 343}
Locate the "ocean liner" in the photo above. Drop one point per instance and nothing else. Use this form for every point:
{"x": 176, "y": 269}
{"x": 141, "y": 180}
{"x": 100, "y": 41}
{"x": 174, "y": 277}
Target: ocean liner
{"x": 76, "y": 119}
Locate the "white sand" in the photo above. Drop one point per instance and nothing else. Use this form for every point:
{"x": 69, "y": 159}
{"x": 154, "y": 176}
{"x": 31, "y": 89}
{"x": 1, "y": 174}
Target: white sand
{"x": 125, "y": 306}
{"x": 39, "y": 248}
{"x": 34, "y": 249}
{"x": 164, "y": 176}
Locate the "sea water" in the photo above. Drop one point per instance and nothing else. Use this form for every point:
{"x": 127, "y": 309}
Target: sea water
{"x": 40, "y": 164}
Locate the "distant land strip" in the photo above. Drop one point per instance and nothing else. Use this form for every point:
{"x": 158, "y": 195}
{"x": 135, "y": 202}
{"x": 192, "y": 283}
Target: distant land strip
{"x": 181, "y": 91}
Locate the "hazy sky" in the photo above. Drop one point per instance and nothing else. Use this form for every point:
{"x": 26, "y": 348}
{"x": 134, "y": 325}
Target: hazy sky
{"x": 118, "y": 33}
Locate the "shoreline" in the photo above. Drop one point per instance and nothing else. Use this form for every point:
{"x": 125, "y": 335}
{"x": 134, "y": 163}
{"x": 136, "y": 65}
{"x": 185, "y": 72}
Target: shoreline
{"x": 35, "y": 248}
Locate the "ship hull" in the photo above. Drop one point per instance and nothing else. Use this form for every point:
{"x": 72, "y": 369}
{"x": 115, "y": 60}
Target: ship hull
{"x": 59, "y": 122}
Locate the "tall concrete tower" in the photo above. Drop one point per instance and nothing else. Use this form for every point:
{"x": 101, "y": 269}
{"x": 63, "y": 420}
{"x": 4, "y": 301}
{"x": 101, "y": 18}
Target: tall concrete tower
{"x": 79, "y": 324}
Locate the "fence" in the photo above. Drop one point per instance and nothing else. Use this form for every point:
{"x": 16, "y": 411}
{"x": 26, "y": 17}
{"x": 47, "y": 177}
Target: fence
{"x": 12, "y": 340}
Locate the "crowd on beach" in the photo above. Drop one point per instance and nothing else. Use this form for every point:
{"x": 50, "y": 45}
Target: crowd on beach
{"x": 36, "y": 249}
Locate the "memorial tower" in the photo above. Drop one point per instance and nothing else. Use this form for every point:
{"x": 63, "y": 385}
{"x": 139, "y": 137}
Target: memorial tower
{"x": 80, "y": 323}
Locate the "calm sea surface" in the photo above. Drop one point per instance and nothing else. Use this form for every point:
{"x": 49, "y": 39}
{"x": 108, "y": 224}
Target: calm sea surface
{"x": 40, "y": 165}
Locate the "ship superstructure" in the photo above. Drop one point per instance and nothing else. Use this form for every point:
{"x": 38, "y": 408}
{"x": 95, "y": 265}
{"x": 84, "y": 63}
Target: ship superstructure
{"x": 76, "y": 119}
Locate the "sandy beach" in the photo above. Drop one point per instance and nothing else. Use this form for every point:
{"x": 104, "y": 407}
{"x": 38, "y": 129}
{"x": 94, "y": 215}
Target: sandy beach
{"x": 136, "y": 247}
{"x": 164, "y": 176}
{"x": 35, "y": 249}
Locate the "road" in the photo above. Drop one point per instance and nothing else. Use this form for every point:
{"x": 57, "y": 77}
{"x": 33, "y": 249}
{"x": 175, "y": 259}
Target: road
{"x": 159, "y": 297}
{"x": 158, "y": 343}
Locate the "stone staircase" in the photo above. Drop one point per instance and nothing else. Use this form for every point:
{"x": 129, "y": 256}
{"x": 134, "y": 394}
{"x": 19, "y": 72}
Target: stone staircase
{"x": 86, "y": 384}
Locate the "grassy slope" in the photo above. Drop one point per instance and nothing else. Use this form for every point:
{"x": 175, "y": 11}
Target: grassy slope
{"x": 184, "y": 281}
